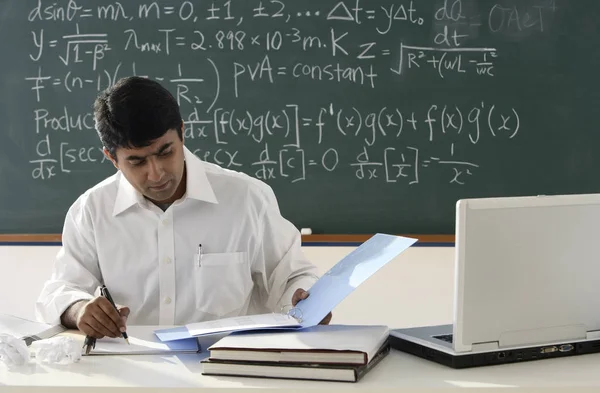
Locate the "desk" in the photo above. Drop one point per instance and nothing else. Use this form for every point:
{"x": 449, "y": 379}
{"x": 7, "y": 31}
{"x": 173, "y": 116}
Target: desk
{"x": 416, "y": 289}
{"x": 398, "y": 370}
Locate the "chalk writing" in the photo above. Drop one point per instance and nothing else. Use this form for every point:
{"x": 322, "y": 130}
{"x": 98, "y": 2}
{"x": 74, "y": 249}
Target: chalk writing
{"x": 217, "y": 59}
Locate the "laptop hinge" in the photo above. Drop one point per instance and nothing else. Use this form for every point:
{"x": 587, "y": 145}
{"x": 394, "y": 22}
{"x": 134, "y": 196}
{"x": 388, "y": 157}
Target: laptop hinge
{"x": 487, "y": 346}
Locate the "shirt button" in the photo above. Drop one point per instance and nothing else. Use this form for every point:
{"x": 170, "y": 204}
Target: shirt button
{"x": 167, "y": 260}
{"x": 165, "y": 221}
{"x": 167, "y": 300}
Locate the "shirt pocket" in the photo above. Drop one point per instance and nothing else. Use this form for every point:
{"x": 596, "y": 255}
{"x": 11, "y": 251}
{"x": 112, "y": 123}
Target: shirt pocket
{"x": 223, "y": 282}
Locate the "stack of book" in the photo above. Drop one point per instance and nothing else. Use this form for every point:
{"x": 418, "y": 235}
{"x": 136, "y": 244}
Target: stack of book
{"x": 323, "y": 352}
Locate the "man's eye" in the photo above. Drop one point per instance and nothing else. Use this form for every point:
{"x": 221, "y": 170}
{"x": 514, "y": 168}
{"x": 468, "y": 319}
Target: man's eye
{"x": 165, "y": 153}
{"x": 138, "y": 163}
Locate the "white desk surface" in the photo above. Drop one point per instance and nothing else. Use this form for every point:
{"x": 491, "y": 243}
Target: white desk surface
{"x": 397, "y": 370}
{"x": 416, "y": 289}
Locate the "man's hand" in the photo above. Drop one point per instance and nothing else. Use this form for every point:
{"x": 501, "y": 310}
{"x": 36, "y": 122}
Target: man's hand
{"x": 98, "y": 318}
{"x": 301, "y": 294}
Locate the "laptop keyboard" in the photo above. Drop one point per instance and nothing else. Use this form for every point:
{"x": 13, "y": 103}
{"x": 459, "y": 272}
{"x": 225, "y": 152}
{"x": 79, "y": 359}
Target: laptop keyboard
{"x": 444, "y": 337}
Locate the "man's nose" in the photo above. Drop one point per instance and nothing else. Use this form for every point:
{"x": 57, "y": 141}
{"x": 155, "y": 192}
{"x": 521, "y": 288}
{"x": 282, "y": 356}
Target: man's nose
{"x": 155, "y": 171}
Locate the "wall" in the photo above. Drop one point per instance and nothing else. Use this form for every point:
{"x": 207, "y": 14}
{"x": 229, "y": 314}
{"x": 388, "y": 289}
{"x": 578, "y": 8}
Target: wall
{"x": 423, "y": 273}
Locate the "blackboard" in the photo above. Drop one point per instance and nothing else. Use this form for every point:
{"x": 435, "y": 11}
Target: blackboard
{"x": 364, "y": 116}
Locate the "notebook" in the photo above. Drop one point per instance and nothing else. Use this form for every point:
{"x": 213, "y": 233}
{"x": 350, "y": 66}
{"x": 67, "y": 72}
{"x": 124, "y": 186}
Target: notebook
{"x": 324, "y": 344}
{"x": 142, "y": 341}
{"x": 305, "y": 371}
{"x": 28, "y": 330}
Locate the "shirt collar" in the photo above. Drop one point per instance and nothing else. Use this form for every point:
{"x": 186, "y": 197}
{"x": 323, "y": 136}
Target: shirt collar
{"x": 127, "y": 196}
{"x": 197, "y": 186}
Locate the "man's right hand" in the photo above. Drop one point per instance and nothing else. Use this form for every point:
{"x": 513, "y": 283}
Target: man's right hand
{"x": 98, "y": 318}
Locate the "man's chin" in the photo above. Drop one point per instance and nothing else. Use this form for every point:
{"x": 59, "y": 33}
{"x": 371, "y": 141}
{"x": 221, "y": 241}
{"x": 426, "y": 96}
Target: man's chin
{"x": 159, "y": 196}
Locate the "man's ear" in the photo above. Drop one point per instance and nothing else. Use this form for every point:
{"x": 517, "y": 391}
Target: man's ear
{"x": 110, "y": 157}
{"x": 182, "y": 131}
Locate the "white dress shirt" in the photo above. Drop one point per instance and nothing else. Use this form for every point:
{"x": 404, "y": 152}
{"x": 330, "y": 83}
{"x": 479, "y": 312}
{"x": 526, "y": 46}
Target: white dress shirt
{"x": 251, "y": 260}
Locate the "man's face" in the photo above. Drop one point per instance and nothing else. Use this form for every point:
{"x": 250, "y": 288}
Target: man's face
{"x": 156, "y": 170}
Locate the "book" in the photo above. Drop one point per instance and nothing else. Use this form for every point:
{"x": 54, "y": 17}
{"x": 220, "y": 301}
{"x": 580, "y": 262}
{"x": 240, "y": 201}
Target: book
{"x": 323, "y": 344}
{"x": 143, "y": 341}
{"x": 28, "y": 330}
{"x": 304, "y": 371}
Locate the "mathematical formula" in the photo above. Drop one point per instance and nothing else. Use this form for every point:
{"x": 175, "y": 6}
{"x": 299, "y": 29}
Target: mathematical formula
{"x": 283, "y": 133}
{"x": 398, "y": 143}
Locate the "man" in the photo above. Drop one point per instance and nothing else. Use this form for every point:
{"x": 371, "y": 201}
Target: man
{"x": 175, "y": 239}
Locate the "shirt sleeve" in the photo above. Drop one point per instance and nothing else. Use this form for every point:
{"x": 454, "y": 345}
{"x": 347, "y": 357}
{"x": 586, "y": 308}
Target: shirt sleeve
{"x": 279, "y": 262}
{"x": 75, "y": 274}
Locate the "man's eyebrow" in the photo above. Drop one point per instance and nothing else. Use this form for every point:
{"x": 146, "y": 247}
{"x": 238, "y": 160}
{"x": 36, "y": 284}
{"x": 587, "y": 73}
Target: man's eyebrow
{"x": 135, "y": 158}
{"x": 162, "y": 149}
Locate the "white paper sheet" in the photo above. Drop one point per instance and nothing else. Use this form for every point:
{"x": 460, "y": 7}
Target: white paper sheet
{"x": 250, "y": 322}
{"x": 142, "y": 340}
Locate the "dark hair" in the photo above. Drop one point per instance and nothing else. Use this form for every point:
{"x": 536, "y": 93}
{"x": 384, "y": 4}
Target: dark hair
{"x": 134, "y": 112}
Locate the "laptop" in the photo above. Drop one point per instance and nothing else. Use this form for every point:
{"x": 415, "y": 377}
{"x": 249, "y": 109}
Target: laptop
{"x": 527, "y": 283}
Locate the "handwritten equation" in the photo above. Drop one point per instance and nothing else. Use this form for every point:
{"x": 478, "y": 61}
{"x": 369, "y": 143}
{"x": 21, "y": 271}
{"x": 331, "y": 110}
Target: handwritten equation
{"x": 283, "y": 133}
{"x": 216, "y": 59}
{"x": 388, "y": 122}
{"x": 499, "y": 18}
{"x": 94, "y": 46}
{"x": 390, "y": 164}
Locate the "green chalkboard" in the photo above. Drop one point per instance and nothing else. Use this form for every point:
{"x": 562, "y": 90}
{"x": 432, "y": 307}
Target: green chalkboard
{"x": 364, "y": 116}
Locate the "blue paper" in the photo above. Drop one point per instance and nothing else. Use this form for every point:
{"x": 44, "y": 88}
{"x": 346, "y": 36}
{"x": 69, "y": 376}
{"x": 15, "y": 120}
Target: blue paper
{"x": 183, "y": 344}
{"x": 348, "y": 274}
{"x": 173, "y": 334}
{"x": 325, "y": 294}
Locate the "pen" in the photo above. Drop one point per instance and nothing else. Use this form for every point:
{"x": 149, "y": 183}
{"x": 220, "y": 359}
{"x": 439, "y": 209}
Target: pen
{"x": 106, "y": 294}
{"x": 88, "y": 344}
{"x": 199, "y": 254}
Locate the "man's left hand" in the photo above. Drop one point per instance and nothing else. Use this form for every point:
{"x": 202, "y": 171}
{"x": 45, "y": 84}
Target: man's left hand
{"x": 301, "y": 294}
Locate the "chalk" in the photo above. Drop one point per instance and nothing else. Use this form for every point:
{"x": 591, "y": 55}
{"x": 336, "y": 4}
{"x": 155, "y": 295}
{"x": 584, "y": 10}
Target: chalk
{"x": 306, "y": 231}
